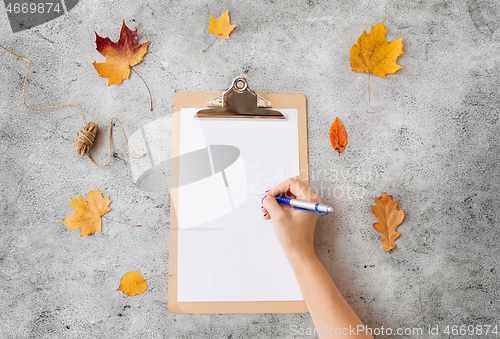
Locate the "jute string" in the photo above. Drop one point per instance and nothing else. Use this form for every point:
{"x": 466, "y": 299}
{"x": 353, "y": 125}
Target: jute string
{"x": 84, "y": 137}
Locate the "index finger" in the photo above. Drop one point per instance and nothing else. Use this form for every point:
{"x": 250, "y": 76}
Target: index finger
{"x": 298, "y": 187}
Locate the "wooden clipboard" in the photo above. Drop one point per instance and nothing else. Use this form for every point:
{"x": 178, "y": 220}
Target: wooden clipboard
{"x": 189, "y": 99}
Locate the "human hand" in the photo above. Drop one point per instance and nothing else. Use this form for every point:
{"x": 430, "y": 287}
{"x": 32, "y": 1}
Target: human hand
{"x": 294, "y": 228}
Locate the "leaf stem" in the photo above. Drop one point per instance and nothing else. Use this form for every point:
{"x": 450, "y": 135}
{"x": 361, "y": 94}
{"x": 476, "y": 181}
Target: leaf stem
{"x": 150, "y": 96}
{"x": 158, "y": 275}
{"x": 209, "y": 45}
{"x": 369, "y": 86}
{"x": 124, "y": 223}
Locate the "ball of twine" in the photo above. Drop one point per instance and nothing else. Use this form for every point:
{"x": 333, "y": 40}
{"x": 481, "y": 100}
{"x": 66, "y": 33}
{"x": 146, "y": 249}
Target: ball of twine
{"x": 86, "y": 136}
{"x": 85, "y": 139}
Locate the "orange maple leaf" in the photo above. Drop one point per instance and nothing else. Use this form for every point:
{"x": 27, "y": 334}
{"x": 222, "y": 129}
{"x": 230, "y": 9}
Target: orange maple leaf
{"x": 221, "y": 26}
{"x": 389, "y": 219}
{"x": 133, "y": 283}
{"x": 373, "y": 54}
{"x": 338, "y": 135}
{"x": 120, "y": 55}
{"x": 88, "y": 213}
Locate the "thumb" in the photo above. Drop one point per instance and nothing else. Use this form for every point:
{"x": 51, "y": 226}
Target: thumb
{"x": 273, "y": 208}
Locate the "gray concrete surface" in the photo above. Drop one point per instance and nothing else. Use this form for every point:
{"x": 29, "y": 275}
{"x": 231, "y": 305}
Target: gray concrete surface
{"x": 429, "y": 137}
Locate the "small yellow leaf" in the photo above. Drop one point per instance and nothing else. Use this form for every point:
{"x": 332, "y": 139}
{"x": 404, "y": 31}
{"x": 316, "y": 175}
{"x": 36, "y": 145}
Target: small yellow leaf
{"x": 132, "y": 284}
{"x": 221, "y": 26}
{"x": 88, "y": 213}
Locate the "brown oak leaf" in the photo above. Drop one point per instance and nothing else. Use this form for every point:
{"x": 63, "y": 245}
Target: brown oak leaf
{"x": 389, "y": 219}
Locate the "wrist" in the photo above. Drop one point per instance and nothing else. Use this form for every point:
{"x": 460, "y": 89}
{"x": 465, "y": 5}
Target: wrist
{"x": 299, "y": 256}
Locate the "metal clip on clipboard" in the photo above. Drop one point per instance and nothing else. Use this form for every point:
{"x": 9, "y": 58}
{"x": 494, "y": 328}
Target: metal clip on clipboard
{"x": 239, "y": 101}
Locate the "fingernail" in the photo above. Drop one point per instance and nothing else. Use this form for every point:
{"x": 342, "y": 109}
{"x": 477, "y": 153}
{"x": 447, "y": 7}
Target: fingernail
{"x": 264, "y": 215}
{"x": 261, "y": 206}
{"x": 267, "y": 191}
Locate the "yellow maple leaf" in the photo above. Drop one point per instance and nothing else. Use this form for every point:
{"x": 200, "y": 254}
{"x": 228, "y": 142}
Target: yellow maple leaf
{"x": 133, "y": 283}
{"x": 88, "y": 213}
{"x": 389, "y": 219}
{"x": 120, "y": 55}
{"x": 221, "y": 26}
{"x": 373, "y": 54}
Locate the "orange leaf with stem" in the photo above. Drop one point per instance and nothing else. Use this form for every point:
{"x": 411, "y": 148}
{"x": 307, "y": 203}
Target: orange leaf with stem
{"x": 220, "y": 27}
{"x": 133, "y": 283}
{"x": 120, "y": 57}
{"x": 89, "y": 213}
{"x": 373, "y": 54}
{"x": 338, "y": 136}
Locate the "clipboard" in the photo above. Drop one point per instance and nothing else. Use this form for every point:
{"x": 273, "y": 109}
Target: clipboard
{"x": 261, "y": 101}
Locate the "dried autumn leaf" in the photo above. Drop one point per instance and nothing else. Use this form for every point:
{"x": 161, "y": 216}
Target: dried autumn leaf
{"x": 120, "y": 55}
{"x": 389, "y": 219}
{"x": 221, "y": 26}
{"x": 88, "y": 213}
{"x": 132, "y": 284}
{"x": 338, "y": 135}
{"x": 373, "y": 54}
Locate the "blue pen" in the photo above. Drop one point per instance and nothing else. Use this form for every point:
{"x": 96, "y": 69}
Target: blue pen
{"x": 303, "y": 205}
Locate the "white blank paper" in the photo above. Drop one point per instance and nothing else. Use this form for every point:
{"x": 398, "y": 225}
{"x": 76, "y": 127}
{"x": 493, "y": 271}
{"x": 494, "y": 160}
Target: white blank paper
{"x": 236, "y": 256}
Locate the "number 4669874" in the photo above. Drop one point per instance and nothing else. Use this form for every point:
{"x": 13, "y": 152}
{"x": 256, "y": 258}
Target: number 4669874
{"x": 39, "y": 8}
{"x": 471, "y": 330}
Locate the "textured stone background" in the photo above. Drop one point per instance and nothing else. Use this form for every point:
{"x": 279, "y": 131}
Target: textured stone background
{"x": 429, "y": 136}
